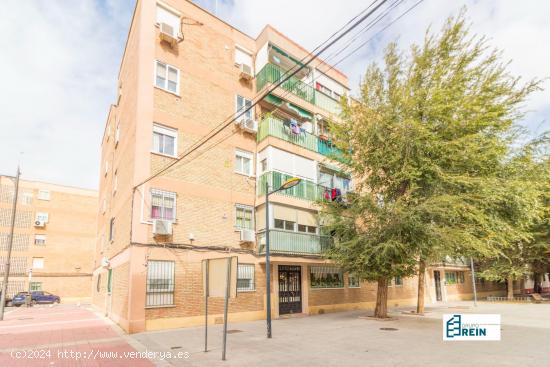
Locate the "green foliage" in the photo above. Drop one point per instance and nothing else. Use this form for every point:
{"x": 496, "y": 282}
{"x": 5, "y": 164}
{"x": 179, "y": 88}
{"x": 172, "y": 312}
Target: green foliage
{"x": 430, "y": 138}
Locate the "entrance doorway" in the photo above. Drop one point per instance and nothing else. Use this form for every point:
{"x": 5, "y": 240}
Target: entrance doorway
{"x": 290, "y": 289}
{"x": 437, "y": 279}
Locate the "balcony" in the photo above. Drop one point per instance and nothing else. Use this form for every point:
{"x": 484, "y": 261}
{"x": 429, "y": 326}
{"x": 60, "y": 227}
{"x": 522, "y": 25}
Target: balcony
{"x": 276, "y": 127}
{"x": 293, "y": 243}
{"x": 306, "y": 189}
{"x": 271, "y": 73}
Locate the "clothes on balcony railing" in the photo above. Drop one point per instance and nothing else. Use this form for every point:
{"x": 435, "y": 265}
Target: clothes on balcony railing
{"x": 333, "y": 194}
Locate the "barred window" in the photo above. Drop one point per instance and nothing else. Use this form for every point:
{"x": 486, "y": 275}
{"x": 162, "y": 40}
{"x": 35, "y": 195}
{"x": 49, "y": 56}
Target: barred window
{"x": 35, "y": 286}
{"x": 398, "y": 281}
{"x": 18, "y": 265}
{"x": 163, "y": 205}
{"x": 21, "y": 242}
{"x": 326, "y": 277}
{"x": 353, "y": 281}
{"x": 450, "y": 277}
{"x": 245, "y": 277}
{"x": 160, "y": 283}
{"x": 26, "y": 198}
{"x": 244, "y": 216}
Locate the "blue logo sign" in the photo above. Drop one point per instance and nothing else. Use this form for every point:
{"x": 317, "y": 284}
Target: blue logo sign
{"x": 471, "y": 327}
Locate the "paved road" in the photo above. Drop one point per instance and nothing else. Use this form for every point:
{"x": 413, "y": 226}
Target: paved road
{"x": 63, "y": 335}
{"x": 345, "y": 339}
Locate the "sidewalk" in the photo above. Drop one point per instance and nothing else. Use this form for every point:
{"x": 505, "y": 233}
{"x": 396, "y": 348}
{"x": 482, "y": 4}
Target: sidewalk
{"x": 63, "y": 335}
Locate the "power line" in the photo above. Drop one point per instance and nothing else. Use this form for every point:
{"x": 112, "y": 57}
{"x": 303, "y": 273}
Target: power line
{"x": 370, "y": 25}
{"x": 278, "y": 84}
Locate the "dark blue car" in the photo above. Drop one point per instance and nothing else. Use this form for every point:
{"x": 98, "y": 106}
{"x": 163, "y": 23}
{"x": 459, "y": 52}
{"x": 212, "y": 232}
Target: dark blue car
{"x": 36, "y": 297}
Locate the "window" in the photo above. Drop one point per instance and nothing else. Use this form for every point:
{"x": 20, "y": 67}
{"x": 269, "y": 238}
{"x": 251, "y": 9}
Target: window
{"x": 42, "y": 217}
{"x": 460, "y": 277}
{"x": 242, "y": 57}
{"x": 243, "y": 104}
{"x": 160, "y": 283}
{"x": 115, "y": 182}
{"x": 353, "y": 281}
{"x": 326, "y": 277}
{"x": 26, "y": 198}
{"x": 40, "y": 239}
{"x": 307, "y": 229}
{"x": 244, "y": 216}
{"x": 263, "y": 165}
{"x": 163, "y": 205}
{"x": 35, "y": 286}
{"x": 243, "y": 162}
{"x": 37, "y": 262}
{"x": 167, "y": 77}
{"x": 167, "y": 17}
{"x": 284, "y": 224}
{"x": 323, "y": 89}
{"x": 450, "y": 277}
{"x": 112, "y": 229}
{"x": 245, "y": 277}
{"x": 43, "y": 195}
{"x": 165, "y": 140}
{"x": 398, "y": 281}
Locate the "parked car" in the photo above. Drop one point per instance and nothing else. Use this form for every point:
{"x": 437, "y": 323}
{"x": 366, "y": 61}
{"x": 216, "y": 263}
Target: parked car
{"x": 36, "y": 297}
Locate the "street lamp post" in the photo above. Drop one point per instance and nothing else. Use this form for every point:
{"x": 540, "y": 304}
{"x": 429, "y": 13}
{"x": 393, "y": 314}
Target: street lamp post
{"x": 286, "y": 185}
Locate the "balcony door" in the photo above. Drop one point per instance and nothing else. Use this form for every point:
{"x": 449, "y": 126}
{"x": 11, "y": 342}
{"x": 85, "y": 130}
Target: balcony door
{"x": 290, "y": 289}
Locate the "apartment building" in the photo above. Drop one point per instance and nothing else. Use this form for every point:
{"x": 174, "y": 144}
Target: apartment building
{"x": 183, "y": 72}
{"x": 54, "y": 238}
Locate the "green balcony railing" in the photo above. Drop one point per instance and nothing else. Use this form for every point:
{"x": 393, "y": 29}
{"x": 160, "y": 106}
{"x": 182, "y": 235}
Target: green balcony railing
{"x": 273, "y": 126}
{"x": 271, "y": 73}
{"x": 293, "y": 243}
{"x": 307, "y": 190}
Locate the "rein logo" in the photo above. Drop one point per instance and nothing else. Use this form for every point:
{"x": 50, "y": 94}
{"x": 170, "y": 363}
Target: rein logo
{"x": 471, "y": 327}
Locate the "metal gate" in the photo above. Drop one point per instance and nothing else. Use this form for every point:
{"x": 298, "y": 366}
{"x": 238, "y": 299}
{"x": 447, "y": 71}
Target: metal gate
{"x": 437, "y": 279}
{"x": 290, "y": 289}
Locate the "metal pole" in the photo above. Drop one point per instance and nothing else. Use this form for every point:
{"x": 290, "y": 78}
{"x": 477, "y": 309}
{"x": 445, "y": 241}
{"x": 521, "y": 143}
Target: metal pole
{"x": 227, "y": 290}
{"x": 267, "y": 263}
{"x": 473, "y": 281}
{"x": 10, "y": 245}
{"x": 206, "y": 305}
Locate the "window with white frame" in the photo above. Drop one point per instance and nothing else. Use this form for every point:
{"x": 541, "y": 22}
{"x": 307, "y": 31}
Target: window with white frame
{"x": 165, "y": 140}
{"x": 160, "y": 283}
{"x": 167, "y": 77}
{"x": 40, "y": 239}
{"x": 241, "y": 105}
{"x": 170, "y": 18}
{"x": 37, "y": 262}
{"x": 244, "y": 216}
{"x": 245, "y": 277}
{"x": 353, "y": 281}
{"x": 26, "y": 198}
{"x": 42, "y": 217}
{"x": 163, "y": 205}
{"x": 243, "y": 162}
{"x": 243, "y": 57}
{"x": 287, "y": 225}
{"x": 43, "y": 194}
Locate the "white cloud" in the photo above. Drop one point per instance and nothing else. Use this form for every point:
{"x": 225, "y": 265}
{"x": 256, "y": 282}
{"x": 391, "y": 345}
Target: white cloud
{"x": 60, "y": 62}
{"x": 58, "y": 69}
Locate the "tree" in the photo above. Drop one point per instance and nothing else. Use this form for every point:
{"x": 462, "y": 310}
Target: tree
{"x": 424, "y": 143}
{"x": 524, "y": 202}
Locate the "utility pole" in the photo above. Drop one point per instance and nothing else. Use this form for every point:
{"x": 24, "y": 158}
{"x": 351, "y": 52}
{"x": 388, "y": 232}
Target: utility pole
{"x": 10, "y": 244}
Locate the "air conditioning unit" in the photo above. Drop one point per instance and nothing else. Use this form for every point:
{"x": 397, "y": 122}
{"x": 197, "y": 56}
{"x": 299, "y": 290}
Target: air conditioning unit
{"x": 246, "y": 72}
{"x": 168, "y": 34}
{"x": 162, "y": 227}
{"x": 247, "y": 235}
{"x": 39, "y": 223}
{"x": 250, "y": 126}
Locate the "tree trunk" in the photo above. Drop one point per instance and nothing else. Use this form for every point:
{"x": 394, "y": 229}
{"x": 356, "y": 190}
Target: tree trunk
{"x": 510, "y": 288}
{"x": 381, "y": 310}
{"x": 421, "y": 274}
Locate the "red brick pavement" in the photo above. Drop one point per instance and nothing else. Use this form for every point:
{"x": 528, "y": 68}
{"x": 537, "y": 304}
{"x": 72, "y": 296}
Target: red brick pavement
{"x": 62, "y": 335}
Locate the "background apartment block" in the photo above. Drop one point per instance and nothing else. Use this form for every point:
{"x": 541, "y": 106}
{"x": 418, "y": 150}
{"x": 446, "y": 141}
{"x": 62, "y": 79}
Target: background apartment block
{"x": 183, "y": 72}
{"x": 55, "y": 230}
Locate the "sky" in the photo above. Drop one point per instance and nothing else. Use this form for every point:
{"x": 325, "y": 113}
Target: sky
{"x": 59, "y": 71}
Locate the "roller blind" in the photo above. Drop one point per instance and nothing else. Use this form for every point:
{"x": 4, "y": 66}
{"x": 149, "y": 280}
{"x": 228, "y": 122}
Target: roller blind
{"x": 307, "y": 218}
{"x": 283, "y": 212}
